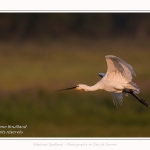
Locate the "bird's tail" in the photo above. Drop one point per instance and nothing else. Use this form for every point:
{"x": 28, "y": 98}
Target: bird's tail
{"x": 133, "y": 94}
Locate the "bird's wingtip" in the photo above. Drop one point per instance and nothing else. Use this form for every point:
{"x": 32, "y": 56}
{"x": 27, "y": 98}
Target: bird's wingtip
{"x": 109, "y": 56}
{"x": 101, "y": 74}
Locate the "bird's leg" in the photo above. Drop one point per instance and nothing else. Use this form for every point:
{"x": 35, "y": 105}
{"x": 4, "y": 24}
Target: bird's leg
{"x": 133, "y": 94}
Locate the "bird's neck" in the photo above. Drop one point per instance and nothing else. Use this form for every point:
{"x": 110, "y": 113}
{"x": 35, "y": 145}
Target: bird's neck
{"x": 95, "y": 87}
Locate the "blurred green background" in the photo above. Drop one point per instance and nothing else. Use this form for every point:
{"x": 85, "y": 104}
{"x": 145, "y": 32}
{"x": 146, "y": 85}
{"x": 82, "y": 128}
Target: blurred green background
{"x": 44, "y": 52}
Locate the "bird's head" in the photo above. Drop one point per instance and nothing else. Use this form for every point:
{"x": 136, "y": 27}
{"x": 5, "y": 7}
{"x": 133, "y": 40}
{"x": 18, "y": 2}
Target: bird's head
{"x": 79, "y": 87}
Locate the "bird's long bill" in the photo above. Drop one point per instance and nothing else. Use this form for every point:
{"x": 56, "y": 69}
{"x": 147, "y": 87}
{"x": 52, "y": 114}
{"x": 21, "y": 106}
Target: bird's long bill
{"x": 74, "y": 87}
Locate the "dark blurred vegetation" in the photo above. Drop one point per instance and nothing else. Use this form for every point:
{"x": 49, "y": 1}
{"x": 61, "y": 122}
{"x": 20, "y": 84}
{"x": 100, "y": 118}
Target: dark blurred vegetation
{"x": 44, "y": 52}
{"x": 42, "y": 25}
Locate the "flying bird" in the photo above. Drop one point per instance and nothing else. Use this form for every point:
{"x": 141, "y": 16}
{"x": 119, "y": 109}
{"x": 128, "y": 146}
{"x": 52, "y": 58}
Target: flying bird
{"x": 117, "y": 80}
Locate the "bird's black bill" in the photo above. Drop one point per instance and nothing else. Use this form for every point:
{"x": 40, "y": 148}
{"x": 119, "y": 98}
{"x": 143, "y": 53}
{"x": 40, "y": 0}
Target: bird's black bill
{"x": 67, "y": 89}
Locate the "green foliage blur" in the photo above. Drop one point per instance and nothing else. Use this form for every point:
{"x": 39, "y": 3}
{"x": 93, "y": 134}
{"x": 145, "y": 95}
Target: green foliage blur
{"x": 21, "y": 26}
{"x": 42, "y": 53}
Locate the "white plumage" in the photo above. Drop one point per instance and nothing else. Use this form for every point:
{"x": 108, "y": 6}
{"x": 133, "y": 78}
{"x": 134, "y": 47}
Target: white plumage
{"x": 117, "y": 79}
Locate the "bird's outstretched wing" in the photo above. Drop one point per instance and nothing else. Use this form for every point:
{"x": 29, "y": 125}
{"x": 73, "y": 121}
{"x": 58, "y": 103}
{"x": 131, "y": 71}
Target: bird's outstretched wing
{"x": 119, "y": 69}
{"x": 117, "y": 97}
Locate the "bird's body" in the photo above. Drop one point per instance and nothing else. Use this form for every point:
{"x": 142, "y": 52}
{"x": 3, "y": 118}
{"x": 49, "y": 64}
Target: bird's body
{"x": 117, "y": 79}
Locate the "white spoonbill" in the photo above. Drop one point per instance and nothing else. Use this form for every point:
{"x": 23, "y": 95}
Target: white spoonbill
{"x": 117, "y": 80}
